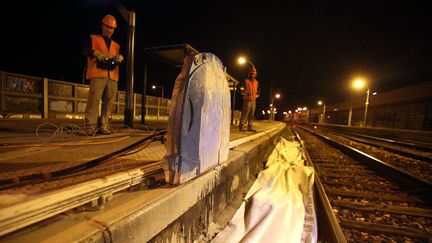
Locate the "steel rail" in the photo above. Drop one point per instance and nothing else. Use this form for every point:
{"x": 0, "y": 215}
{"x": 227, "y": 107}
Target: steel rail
{"x": 95, "y": 192}
{"x": 393, "y": 150}
{"x": 381, "y": 167}
{"x": 330, "y": 229}
{"x": 404, "y": 180}
{"x": 419, "y": 146}
{"x": 53, "y": 175}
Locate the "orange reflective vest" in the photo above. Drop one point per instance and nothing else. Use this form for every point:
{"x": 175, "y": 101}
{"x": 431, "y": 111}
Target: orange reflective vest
{"x": 98, "y": 44}
{"x": 250, "y": 89}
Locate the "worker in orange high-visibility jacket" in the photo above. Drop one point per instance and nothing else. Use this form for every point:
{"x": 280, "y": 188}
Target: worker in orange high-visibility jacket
{"x": 250, "y": 92}
{"x": 103, "y": 58}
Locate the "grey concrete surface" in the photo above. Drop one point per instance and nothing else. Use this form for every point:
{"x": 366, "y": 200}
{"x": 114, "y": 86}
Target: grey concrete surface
{"x": 157, "y": 214}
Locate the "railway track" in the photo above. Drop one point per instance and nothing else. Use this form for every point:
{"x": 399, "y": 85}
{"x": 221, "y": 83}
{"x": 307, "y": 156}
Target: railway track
{"x": 368, "y": 200}
{"x": 418, "y": 151}
{"x": 35, "y": 197}
{"x": 98, "y": 165}
{"x": 417, "y": 166}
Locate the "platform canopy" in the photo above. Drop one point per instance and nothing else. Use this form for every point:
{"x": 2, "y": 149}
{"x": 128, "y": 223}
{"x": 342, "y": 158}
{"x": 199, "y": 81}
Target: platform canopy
{"x": 173, "y": 55}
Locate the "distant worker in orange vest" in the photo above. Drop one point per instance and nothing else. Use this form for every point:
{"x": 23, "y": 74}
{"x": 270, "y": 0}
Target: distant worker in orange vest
{"x": 103, "y": 58}
{"x": 250, "y": 92}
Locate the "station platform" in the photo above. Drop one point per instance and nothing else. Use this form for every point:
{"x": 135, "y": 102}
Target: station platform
{"x": 36, "y": 146}
{"x": 29, "y": 146}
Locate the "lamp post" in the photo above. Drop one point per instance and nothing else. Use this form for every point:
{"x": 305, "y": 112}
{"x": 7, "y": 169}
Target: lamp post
{"x": 307, "y": 113}
{"x": 349, "y": 115}
{"x": 243, "y": 60}
{"x": 360, "y": 84}
{"x": 322, "y": 120}
{"x": 272, "y": 107}
{"x": 159, "y": 87}
{"x": 366, "y": 106}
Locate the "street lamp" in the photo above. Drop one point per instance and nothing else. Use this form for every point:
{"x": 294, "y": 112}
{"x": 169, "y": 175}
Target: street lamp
{"x": 322, "y": 120}
{"x": 159, "y": 87}
{"x": 359, "y": 84}
{"x": 272, "y": 106}
{"x": 277, "y": 96}
{"x": 243, "y": 60}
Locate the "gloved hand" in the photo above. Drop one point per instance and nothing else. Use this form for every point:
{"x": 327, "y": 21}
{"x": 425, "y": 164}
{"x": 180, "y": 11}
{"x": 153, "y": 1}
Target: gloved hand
{"x": 119, "y": 58}
{"x": 99, "y": 56}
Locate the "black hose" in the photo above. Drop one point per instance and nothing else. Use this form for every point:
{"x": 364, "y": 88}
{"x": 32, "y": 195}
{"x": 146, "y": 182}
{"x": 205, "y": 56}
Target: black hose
{"x": 39, "y": 177}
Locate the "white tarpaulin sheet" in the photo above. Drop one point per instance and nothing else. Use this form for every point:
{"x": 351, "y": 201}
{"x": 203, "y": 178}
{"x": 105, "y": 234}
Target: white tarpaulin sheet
{"x": 279, "y": 206}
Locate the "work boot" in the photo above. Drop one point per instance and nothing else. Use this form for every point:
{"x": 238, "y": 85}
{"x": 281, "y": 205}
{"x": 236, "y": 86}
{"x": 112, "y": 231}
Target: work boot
{"x": 241, "y": 129}
{"x": 90, "y": 130}
{"x": 105, "y": 129}
{"x": 105, "y": 125}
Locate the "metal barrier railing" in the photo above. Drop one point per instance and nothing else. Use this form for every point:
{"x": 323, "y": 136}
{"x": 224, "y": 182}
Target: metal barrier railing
{"x": 23, "y": 96}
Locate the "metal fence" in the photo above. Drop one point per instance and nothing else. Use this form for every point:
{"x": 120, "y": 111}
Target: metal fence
{"x": 415, "y": 114}
{"x": 23, "y": 96}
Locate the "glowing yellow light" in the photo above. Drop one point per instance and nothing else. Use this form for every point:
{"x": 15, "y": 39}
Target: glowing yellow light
{"x": 242, "y": 60}
{"x": 320, "y": 102}
{"x": 277, "y": 96}
{"x": 359, "y": 83}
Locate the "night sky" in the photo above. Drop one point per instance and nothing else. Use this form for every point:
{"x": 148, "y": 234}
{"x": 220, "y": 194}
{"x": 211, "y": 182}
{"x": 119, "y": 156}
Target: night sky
{"x": 305, "y": 50}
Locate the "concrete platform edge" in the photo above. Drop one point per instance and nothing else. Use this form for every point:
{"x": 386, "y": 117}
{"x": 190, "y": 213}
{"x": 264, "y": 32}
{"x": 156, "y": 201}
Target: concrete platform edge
{"x": 216, "y": 189}
{"x": 163, "y": 215}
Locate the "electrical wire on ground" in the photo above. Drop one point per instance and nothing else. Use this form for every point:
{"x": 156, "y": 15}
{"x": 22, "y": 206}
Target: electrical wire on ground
{"x": 60, "y": 132}
{"x": 65, "y": 144}
{"x": 67, "y": 128}
{"x": 52, "y": 175}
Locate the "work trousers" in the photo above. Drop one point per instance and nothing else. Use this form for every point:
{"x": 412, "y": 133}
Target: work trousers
{"x": 100, "y": 87}
{"x": 248, "y": 111}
